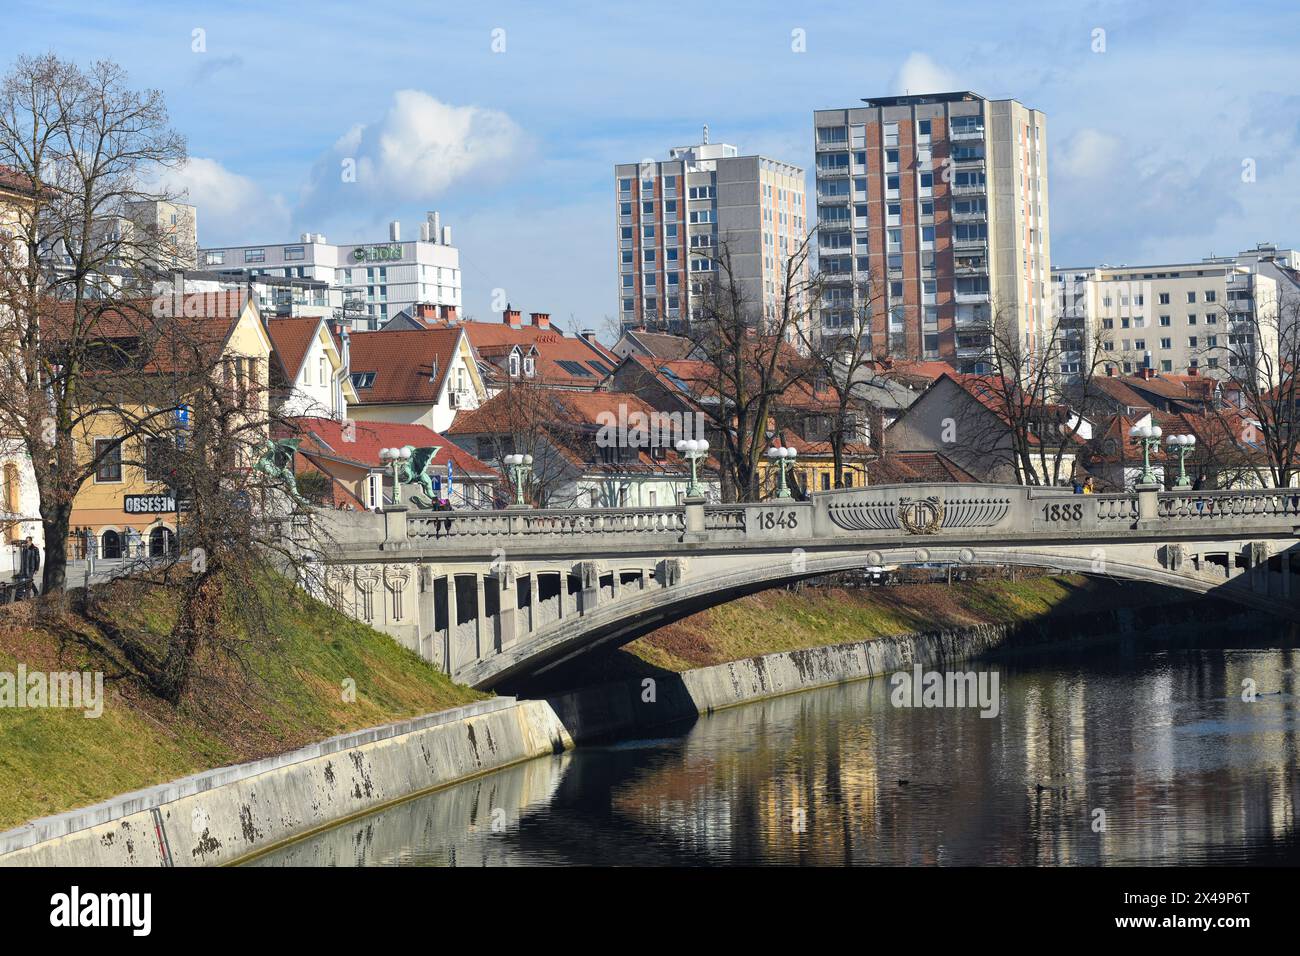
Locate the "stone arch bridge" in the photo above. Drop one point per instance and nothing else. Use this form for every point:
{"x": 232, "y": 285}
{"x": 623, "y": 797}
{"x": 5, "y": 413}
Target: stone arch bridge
{"x": 493, "y": 597}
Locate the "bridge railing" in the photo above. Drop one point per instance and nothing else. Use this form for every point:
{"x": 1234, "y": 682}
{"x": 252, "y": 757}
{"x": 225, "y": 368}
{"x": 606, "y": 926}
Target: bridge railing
{"x": 430, "y": 526}
{"x": 1265, "y": 503}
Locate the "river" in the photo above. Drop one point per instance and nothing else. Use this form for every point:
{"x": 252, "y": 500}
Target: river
{"x": 1123, "y": 756}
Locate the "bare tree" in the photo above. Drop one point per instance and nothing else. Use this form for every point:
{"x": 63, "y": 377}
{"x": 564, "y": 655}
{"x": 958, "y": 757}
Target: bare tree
{"x": 80, "y": 147}
{"x": 1261, "y": 358}
{"x": 747, "y": 358}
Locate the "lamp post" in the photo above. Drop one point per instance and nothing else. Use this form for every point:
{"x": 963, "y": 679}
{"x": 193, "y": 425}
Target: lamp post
{"x": 1182, "y": 444}
{"x": 520, "y": 465}
{"x": 395, "y": 457}
{"x": 694, "y": 450}
{"x": 1148, "y": 437}
{"x": 782, "y": 457}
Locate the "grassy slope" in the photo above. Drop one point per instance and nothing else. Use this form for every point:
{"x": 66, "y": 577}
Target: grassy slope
{"x": 276, "y": 696}
{"x": 781, "y": 620}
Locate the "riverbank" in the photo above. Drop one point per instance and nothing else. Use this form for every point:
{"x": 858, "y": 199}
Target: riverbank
{"x": 232, "y": 813}
{"x": 313, "y": 674}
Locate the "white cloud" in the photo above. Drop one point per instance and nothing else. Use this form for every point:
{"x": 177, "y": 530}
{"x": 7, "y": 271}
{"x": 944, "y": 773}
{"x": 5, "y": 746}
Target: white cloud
{"x": 1088, "y": 154}
{"x": 417, "y": 150}
{"x": 920, "y": 74}
{"x": 231, "y": 207}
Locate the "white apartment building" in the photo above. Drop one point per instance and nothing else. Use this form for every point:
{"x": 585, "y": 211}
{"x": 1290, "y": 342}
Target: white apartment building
{"x": 366, "y": 282}
{"x": 672, "y": 214}
{"x": 1195, "y": 317}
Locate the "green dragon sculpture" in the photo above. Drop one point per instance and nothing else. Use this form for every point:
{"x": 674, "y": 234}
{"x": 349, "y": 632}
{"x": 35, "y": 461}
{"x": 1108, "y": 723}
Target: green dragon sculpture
{"x": 415, "y": 471}
{"x": 276, "y": 462}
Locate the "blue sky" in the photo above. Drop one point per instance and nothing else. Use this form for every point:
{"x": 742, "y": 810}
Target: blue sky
{"x": 515, "y": 147}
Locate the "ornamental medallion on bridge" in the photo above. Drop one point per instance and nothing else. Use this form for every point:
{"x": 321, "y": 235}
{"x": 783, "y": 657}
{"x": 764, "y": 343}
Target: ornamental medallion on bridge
{"x": 922, "y": 516}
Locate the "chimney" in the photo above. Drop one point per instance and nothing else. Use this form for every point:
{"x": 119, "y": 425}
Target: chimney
{"x": 424, "y": 232}
{"x": 306, "y": 237}
{"x": 435, "y": 226}
{"x": 446, "y": 235}
{"x": 541, "y": 320}
{"x": 449, "y": 313}
{"x": 588, "y": 335}
{"x": 395, "y": 231}
{"x": 513, "y": 318}
{"x": 876, "y": 428}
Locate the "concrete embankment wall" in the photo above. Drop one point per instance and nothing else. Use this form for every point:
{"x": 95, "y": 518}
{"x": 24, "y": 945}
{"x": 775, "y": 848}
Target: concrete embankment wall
{"x": 231, "y": 813}
{"x": 226, "y": 814}
{"x": 627, "y": 707}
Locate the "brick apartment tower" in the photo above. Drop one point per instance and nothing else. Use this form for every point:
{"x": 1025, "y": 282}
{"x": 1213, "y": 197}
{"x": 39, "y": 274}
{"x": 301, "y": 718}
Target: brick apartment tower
{"x": 941, "y": 200}
{"x": 672, "y": 213}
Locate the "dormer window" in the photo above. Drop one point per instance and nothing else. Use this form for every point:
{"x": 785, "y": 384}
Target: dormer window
{"x": 514, "y": 364}
{"x": 530, "y": 366}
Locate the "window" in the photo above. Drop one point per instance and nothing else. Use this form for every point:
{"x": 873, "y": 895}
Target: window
{"x": 1191, "y": 297}
{"x": 1164, "y": 298}
{"x": 294, "y": 253}
{"x": 1166, "y": 343}
{"x": 1164, "y": 320}
{"x": 154, "y": 450}
{"x": 625, "y": 185}
{"x": 1211, "y": 295}
{"x": 923, "y": 128}
{"x": 254, "y": 255}
{"x": 215, "y": 258}
{"x": 363, "y": 379}
{"x": 1191, "y": 318}
{"x": 109, "y": 453}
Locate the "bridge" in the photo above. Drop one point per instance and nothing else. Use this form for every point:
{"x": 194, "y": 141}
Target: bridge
{"x": 493, "y": 597}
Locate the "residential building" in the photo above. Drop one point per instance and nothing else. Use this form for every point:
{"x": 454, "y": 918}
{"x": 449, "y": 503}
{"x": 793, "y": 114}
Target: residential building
{"x": 653, "y": 345}
{"x": 534, "y": 353}
{"x": 347, "y": 454}
{"x": 414, "y": 377}
{"x": 1197, "y": 317}
{"x": 990, "y": 431}
{"x": 125, "y": 492}
{"x": 367, "y": 282}
{"x": 932, "y": 213}
{"x": 310, "y": 373}
{"x": 599, "y": 449}
{"x": 673, "y": 214}
{"x": 20, "y": 516}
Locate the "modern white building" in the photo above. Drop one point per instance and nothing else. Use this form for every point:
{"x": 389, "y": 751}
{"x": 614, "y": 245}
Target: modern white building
{"x": 366, "y": 282}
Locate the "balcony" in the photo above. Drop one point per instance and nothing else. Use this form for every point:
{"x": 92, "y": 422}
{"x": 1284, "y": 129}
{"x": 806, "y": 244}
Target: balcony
{"x": 833, "y": 145}
{"x": 971, "y": 269}
{"x": 969, "y": 243}
{"x": 832, "y": 172}
{"x": 960, "y": 134}
{"x": 976, "y": 215}
{"x": 971, "y": 298}
{"x": 978, "y": 189}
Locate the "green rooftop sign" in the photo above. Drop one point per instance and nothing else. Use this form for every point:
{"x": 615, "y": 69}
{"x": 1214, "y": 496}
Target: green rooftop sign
{"x": 384, "y": 253}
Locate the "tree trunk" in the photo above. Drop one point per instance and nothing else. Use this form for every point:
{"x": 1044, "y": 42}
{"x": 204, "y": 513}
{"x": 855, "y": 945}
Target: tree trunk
{"x": 197, "y": 621}
{"x": 55, "y": 523}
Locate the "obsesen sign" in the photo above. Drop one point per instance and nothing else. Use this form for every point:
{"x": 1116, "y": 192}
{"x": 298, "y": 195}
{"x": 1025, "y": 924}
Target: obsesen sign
{"x": 150, "y": 504}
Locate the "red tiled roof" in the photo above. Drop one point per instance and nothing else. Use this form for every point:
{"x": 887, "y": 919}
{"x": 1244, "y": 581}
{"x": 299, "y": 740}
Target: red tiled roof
{"x": 409, "y": 366}
{"x": 329, "y": 436}
{"x": 291, "y": 339}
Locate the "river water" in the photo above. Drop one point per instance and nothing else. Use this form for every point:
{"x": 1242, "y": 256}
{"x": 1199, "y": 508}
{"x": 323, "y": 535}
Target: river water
{"x": 1125, "y": 756}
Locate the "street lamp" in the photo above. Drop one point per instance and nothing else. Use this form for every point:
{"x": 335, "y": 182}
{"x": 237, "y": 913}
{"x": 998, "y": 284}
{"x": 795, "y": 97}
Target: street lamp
{"x": 1181, "y": 444}
{"x": 694, "y": 450}
{"x": 782, "y": 456}
{"x": 520, "y": 465}
{"x": 396, "y": 457}
{"x": 1148, "y": 436}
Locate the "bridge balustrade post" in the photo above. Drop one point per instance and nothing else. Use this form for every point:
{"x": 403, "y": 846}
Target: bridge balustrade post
{"x": 506, "y": 609}
{"x": 1148, "y": 504}
{"x": 394, "y": 527}
{"x": 694, "y": 519}
{"x": 589, "y": 574}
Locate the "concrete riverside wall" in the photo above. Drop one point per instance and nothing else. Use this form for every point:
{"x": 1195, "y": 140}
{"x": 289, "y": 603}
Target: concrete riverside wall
{"x": 621, "y": 708}
{"x": 222, "y": 815}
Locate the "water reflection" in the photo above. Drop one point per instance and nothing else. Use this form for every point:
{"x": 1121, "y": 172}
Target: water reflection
{"x": 1161, "y": 743}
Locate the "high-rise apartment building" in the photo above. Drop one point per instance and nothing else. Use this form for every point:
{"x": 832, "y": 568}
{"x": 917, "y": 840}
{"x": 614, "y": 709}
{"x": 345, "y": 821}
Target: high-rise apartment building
{"x": 673, "y": 215}
{"x": 367, "y": 283}
{"x": 932, "y": 212}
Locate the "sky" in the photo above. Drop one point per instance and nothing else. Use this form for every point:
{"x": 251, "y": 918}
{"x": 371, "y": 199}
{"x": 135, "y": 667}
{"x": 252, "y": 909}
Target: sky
{"x": 1173, "y": 129}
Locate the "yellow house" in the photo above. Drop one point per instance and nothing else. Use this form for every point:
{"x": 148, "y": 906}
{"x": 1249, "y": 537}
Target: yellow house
{"x": 814, "y": 465}
{"x": 124, "y": 495}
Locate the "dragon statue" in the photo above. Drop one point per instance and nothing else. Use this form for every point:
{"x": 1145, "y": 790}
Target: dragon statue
{"x": 414, "y": 471}
{"x": 276, "y": 462}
